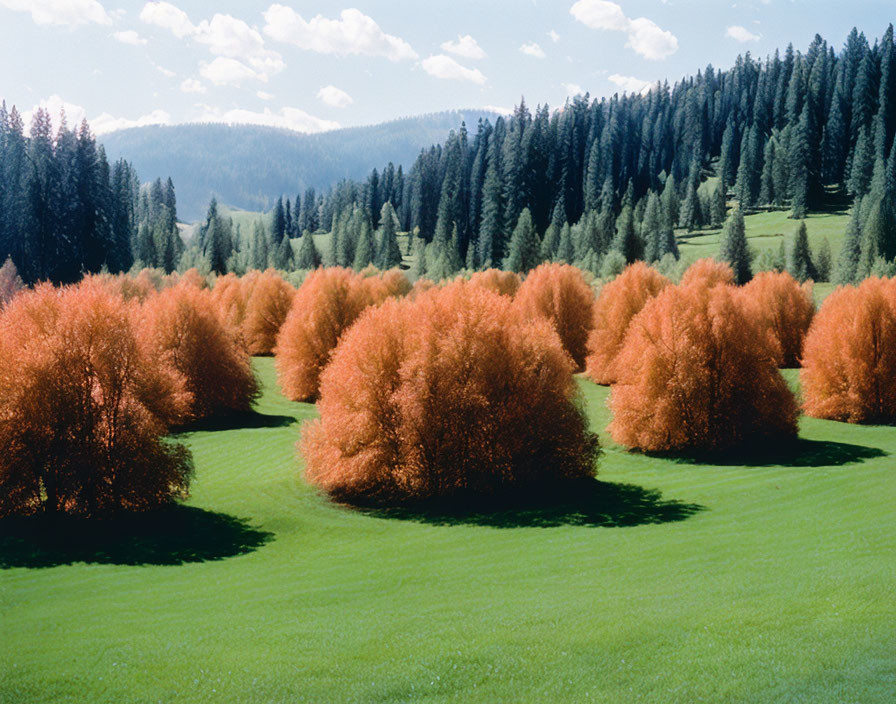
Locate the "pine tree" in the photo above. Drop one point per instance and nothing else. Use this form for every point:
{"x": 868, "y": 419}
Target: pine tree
{"x": 565, "y": 249}
{"x": 651, "y": 229}
{"x": 523, "y": 251}
{"x": 307, "y": 258}
{"x": 283, "y": 255}
{"x": 278, "y": 223}
{"x": 626, "y": 241}
{"x": 822, "y": 261}
{"x": 848, "y": 259}
{"x": 388, "y": 254}
{"x": 365, "y": 249}
{"x": 733, "y": 248}
{"x": 799, "y": 258}
{"x": 718, "y": 205}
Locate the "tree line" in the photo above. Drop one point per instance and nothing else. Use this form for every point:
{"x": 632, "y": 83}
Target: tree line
{"x": 604, "y": 182}
{"x": 66, "y": 212}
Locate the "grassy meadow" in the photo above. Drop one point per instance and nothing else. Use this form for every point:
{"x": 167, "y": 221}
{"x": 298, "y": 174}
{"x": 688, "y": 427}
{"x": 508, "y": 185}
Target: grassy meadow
{"x": 668, "y": 581}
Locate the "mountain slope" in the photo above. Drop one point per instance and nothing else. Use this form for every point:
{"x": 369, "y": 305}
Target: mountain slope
{"x": 247, "y": 166}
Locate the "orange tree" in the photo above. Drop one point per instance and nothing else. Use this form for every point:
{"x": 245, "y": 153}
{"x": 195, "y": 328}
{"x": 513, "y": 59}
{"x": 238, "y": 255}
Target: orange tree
{"x": 619, "y": 301}
{"x": 783, "y": 310}
{"x": 696, "y": 374}
{"x": 849, "y": 359}
{"x": 84, "y": 408}
{"x": 448, "y": 393}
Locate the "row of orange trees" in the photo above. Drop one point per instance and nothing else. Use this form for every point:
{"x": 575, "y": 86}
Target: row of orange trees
{"x": 423, "y": 391}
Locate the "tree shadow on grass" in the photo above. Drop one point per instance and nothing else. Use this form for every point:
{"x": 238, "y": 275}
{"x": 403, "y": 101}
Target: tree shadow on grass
{"x": 174, "y": 535}
{"x": 237, "y": 420}
{"x": 795, "y": 453}
{"x": 585, "y": 502}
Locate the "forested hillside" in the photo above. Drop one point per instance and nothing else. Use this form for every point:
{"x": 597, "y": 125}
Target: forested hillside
{"x": 247, "y": 165}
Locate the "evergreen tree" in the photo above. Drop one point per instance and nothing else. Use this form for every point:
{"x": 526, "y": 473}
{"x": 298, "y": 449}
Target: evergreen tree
{"x": 307, "y": 258}
{"x": 848, "y": 259}
{"x": 523, "y": 252}
{"x": 565, "y": 249}
{"x": 799, "y": 258}
{"x": 822, "y": 261}
{"x": 366, "y": 248}
{"x": 733, "y": 248}
{"x": 718, "y": 205}
{"x": 388, "y": 254}
{"x": 626, "y": 241}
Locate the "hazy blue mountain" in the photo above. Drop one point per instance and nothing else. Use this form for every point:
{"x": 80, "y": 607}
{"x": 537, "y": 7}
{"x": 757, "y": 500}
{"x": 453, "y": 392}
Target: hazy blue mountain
{"x": 247, "y": 166}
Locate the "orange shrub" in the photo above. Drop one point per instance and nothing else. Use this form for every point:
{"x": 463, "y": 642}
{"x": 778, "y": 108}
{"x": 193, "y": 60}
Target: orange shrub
{"x": 183, "y": 330}
{"x": 783, "y": 310}
{"x": 228, "y": 296}
{"x": 507, "y": 283}
{"x": 83, "y": 408}
{"x": 708, "y": 272}
{"x": 619, "y": 301}
{"x": 266, "y": 309}
{"x": 696, "y": 374}
{"x": 326, "y": 304}
{"x": 849, "y": 358}
{"x": 449, "y": 393}
{"x": 387, "y": 284}
{"x": 560, "y": 294}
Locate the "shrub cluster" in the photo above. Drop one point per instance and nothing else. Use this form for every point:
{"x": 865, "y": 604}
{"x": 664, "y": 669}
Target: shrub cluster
{"x": 619, "y": 301}
{"x": 449, "y": 392}
{"x": 696, "y": 374}
{"x": 560, "y": 294}
{"x": 782, "y": 310}
{"x": 849, "y": 360}
{"x": 326, "y": 304}
{"x": 84, "y": 407}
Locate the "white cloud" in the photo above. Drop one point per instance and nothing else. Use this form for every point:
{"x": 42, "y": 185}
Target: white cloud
{"x": 651, "y": 42}
{"x": 573, "y": 89}
{"x": 61, "y": 12}
{"x": 231, "y": 37}
{"x": 532, "y": 49}
{"x": 264, "y": 96}
{"x": 630, "y": 84}
{"x": 106, "y": 123}
{"x": 54, "y": 105}
{"x": 224, "y": 35}
{"x": 334, "y": 97}
{"x": 353, "y": 33}
{"x": 645, "y": 37}
{"x": 165, "y": 72}
{"x": 445, "y": 67}
{"x": 75, "y": 114}
{"x": 191, "y": 85}
{"x": 554, "y": 36}
{"x": 741, "y": 34}
{"x": 500, "y": 109}
{"x": 226, "y": 71}
{"x": 465, "y": 46}
{"x": 286, "y": 118}
{"x": 167, "y": 16}
{"x": 129, "y": 36}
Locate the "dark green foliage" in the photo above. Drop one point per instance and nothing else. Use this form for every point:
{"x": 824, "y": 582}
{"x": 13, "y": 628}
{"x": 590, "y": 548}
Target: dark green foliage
{"x": 523, "y": 251}
{"x": 733, "y": 249}
{"x": 822, "y": 259}
{"x": 799, "y": 258}
{"x": 307, "y": 257}
{"x": 626, "y": 241}
{"x": 388, "y": 254}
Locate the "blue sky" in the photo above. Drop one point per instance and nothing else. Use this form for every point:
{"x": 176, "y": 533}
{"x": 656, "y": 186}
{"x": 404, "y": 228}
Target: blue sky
{"x": 313, "y": 65}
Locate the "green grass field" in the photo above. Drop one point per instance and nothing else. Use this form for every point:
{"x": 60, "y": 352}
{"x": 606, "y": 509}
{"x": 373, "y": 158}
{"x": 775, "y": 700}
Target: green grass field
{"x": 669, "y": 582}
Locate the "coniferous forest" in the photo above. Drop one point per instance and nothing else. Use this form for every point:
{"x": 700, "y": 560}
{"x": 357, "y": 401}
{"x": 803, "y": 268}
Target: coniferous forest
{"x": 598, "y": 183}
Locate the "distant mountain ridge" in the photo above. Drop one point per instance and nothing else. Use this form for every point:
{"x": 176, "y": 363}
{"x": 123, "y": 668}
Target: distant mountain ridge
{"x": 247, "y": 166}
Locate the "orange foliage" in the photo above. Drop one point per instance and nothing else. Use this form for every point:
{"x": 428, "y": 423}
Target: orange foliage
{"x": 560, "y": 294}
{"x": 708, "y": 272}
{"x": 83, "y": 408}
{"x": 619, "y": 301}
{"x": 265, "y": 310}
{"x": 326, "y": 304}
{"x": 783, "y": 310}
{"x": 849, "y": 357}
{"x": 229, "y": 297}
{"x": 183, "y": 330}
{"x": 387, "y": 284}
{"x": 507, "y": 283}
{"x": 696, "y": 374}
{"x": 447, "y": 393}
